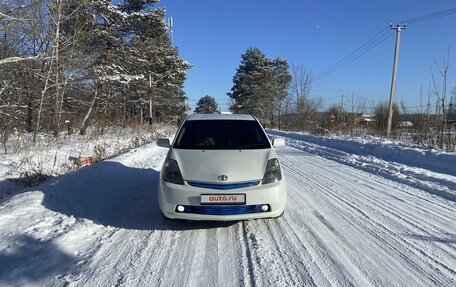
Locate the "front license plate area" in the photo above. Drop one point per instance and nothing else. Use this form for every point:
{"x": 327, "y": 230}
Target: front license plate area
{"x": 223, "y": 199}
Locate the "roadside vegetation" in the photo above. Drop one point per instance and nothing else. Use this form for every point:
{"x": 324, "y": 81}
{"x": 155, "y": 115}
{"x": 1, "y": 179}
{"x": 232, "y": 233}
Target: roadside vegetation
{"x": 80, "y": 81}
{"x": 70, "y": 65}
{"x": 27, "y": 164}
{"x": 281, "y": 96}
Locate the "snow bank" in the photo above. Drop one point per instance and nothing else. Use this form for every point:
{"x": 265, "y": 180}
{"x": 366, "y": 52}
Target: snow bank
{"x": 429, "y": 171}
{"x": 432, "y": 160}
{"x": 30, "y": 164}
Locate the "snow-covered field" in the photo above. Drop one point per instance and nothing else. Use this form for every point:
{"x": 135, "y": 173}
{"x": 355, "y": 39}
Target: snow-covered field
{"x": 353, "y": 218}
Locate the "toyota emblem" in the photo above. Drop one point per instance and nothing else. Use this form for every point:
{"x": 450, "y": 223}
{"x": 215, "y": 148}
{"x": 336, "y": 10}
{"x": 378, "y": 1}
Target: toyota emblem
{"x": 222, "y": 177}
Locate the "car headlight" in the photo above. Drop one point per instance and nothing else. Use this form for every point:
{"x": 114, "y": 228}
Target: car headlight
{"x": 272, "y": 173}
{"x": 171, "y": 172}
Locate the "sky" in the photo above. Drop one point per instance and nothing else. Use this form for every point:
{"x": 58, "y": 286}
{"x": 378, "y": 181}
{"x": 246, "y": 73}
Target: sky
{"x": 212, "y": 35}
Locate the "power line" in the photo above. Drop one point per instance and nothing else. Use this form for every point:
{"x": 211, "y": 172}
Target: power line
{"x": 376, "y": 40}
{"x": 217, "y": 99}
{"x": 355, "y": 55}
{"x": 367, "y": 107}
{"x": 432, "y": 16}
{"x": 362, "y": 46}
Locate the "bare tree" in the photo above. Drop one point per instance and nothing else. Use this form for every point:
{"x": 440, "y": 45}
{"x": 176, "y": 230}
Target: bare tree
{"x": 299, "y": 100}
{"x": 441, "y": 94}
{"x": 357, "y": 106}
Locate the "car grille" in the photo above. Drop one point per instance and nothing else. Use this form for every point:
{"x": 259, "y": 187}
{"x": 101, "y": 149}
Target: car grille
{"x": 222, "y": 210}
{"x": 223, "y": 186}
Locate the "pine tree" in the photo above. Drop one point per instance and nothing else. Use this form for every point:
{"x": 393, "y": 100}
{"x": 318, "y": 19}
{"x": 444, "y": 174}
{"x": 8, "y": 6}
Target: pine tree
{"x": 206, "y": 105}
{"x": 246, "y": 82}
{"x": 259, "y": 85}
{"x": 155, "y": 59}
{"x": 87, "y": 61}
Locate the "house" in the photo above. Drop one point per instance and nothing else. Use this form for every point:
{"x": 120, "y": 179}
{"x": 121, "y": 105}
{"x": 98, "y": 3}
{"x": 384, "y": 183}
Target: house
{"x": 365, "y": 119}
{"x": 405, "y": 124}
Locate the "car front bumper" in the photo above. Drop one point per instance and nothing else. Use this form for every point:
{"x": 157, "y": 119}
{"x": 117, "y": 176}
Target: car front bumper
{"x": 171, "y": 195}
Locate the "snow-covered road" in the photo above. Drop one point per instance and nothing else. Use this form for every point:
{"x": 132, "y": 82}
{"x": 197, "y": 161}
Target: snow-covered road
{"x": 343, "y": 226}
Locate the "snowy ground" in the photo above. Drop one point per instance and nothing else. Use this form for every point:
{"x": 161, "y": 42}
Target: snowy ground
{"x": 26, "y": 164}
{"x": 349, "y": 221}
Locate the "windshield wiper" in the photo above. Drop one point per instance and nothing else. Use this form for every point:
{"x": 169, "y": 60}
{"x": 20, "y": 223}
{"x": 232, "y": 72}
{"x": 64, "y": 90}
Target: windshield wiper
{"x": 252, "y": 146}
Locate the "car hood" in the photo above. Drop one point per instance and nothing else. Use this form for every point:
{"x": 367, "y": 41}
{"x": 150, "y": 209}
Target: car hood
{"x": 208, "y": 165}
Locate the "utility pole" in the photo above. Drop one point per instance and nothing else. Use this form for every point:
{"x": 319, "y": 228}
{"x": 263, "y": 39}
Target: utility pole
{"x": 341, "y": 105}
{"x": 150, "y": 99}
{"x": 398, "y": 28}
{"x": 170, "y": 29}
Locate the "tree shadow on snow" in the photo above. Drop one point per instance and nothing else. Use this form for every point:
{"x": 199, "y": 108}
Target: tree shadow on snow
{"x": 28, "y": 259}
{"x": 112, "y": 194}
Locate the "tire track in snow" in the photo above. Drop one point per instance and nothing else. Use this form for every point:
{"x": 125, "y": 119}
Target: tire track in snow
{"x": 203, "y": 267}
{"x": 393, "y": 246}
{"x": 322, "y": 185}
{"x": 291, "y": 260}
{"x": 159, "y": 248}
{"x": 400, "y": 216}
{"x": 436, "y": 186}
{"x": 328, "y": 239}
{"x": 228, "y": 269}
{"x": 163, "y": 259}
{"x": 397, "y": 220}
{"x": 250, "y": 275}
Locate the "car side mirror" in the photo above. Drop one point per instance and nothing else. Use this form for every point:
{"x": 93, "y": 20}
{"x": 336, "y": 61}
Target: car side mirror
{"x": 164, "y": 143}
{"x": 278, "y": 142}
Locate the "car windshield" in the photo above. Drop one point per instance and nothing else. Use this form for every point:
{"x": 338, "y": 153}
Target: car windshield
{"x": 221, "y": 134}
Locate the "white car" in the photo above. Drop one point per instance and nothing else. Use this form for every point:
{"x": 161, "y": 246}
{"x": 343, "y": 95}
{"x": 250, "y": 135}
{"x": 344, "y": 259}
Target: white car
{"x": 221, "y": 167}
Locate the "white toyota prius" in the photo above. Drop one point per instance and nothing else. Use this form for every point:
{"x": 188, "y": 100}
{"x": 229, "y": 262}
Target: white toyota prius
{"x": 221, "y": 167}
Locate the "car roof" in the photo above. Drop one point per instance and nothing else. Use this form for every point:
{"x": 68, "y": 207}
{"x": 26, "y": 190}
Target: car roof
{"x": 196, "y": 117}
